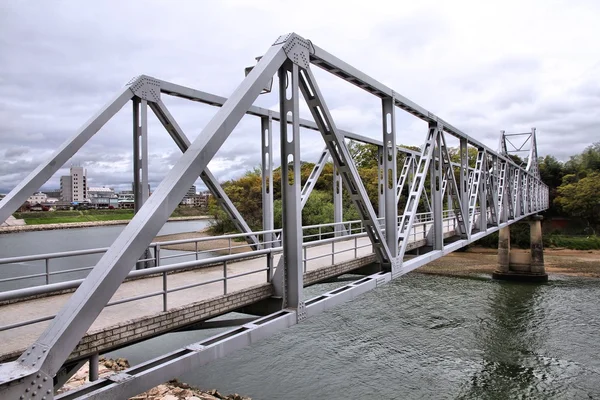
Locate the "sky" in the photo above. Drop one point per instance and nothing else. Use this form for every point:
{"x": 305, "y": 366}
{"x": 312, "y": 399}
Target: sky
{"x": 481, "y": 66}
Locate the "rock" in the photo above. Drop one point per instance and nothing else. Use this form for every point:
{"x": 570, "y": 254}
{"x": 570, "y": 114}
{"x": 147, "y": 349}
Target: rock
{"x": 169, "y": 397}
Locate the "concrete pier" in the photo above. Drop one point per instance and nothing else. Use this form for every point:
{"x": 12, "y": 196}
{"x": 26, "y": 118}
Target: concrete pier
{"x": 522, "y": 266}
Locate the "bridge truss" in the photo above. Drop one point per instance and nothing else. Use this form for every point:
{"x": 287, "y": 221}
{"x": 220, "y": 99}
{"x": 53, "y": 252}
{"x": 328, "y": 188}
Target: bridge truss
{"x": 483, "y": 195}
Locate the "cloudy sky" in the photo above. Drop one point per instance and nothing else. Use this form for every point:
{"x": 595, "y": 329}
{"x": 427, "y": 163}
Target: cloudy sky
{"x": 482, "y": 66}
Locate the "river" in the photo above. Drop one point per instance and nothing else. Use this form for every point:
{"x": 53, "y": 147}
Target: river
{"x": 421, "y": 337}
{"x": 40, "y": 242}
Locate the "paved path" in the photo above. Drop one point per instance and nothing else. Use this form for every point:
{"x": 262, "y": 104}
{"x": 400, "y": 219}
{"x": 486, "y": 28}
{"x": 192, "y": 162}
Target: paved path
{"x": 20, "y": 338}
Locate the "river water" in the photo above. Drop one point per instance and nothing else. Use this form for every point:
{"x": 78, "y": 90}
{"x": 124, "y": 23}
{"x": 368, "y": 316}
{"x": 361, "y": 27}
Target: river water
{"x": 421, "y": 337}
{"x": 59, "y": 240}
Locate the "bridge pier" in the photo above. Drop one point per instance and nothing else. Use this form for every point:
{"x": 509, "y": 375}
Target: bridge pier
{"x": 527, "y": 267}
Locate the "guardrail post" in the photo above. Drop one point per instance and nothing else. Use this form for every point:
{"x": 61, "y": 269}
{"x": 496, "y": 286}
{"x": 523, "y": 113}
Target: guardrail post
{"x": 196, "y": 251}
{"x": 224, "y": 277}
{"x": 157, "y": 255}
{"x": 269, "y": 266}
{"x": 164, "y": 279}
{"x": 305, "y": 258}
{"x": 94, "y": 365}
{"x": 332, "y": 253}
{"x": 47, "y": 271}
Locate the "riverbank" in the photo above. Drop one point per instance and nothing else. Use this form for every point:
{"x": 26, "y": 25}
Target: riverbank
{"x": 172, "y": 390}
{"x": 87, "y": 224}
{"x": 220, "y": 246}
{"x": 478, "y": 260}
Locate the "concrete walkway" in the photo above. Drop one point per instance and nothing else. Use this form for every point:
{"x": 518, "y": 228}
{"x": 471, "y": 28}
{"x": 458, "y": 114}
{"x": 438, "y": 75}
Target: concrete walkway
{"x": 20, "y": 338}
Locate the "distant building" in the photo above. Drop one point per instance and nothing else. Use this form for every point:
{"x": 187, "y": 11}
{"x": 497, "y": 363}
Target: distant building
{"x": 73, "y": 188}
{"x": 191, "y": 191}
{"x": 37, "y": 198}
{"x": 55, "y": 193}
{"x": 103, "y": 197}
{"x": 199, "y": 200}
{"x": 125, "y": 199}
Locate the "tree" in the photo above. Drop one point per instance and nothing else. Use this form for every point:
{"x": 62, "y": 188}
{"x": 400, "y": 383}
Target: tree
{"x": 581, "y": 198}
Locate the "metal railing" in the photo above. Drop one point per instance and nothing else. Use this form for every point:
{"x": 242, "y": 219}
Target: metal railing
{"x": 343, "y": 237}
{"x": 235, "y": 244}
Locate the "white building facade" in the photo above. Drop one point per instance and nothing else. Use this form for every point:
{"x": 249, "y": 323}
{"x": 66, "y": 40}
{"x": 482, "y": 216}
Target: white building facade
{"x": 73, "y": 188}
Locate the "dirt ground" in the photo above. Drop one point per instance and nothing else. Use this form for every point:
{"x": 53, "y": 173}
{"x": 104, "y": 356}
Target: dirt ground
{"x": 220, "y": 246}
{"x": 482, "y": 260}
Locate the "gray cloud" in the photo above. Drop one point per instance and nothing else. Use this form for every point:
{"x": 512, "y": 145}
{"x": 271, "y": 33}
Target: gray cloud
{"x": 60, "y": 62}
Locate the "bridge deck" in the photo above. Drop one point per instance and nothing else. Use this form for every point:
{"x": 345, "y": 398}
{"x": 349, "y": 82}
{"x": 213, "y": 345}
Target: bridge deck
{"x": 16, "y": 340}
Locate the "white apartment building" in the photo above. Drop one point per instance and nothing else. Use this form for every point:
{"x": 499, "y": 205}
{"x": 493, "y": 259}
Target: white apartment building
{"x": 73, "y": 188}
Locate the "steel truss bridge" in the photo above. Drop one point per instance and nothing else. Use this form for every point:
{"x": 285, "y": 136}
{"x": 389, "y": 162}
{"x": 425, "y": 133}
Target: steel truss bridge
{"x": 464, "y": 203}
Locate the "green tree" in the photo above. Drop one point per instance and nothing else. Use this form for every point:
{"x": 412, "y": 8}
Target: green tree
{"x": 581, "y": 198}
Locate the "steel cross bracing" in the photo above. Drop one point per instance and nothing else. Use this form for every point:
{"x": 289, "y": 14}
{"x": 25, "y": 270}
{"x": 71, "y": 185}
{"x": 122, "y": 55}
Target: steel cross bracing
{"x": 488, "y": 197}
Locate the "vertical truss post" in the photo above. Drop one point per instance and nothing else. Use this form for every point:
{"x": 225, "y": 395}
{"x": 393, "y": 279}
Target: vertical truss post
{"x": 464, "y": 184}
{"x": 390, "y": 174}
{"x": 338, "y": 209}
{"x": 343, "y": 161}
{"x": 380, "y": 183}
{"x": 266, "y": 139}
{"x": 290, "y": 188}
{"x": 140, "y": 152}
{"x": 437, "y": 199}
{"x": 140, "y": 163}
{"x": 483, "y": 211}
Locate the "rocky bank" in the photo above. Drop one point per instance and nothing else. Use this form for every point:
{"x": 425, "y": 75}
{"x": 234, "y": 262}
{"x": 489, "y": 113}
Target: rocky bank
{"x": 172, "y": 390}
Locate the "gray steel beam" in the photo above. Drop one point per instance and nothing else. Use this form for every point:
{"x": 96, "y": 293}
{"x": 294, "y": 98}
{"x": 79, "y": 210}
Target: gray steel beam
{"x": 140, "y": 152}
{"x": 483, "y": 188}
{"x": 176, "y": 90}
{"x": 380, "y": 183}
{"x": 45, "y": 170}
{"x": 290, "y": 190}
{"x": 181, "y": 140}
{"x": 455, "y": 201}
{"x": 343, "y": 161}
{"x": 417, "y": 186}
{"x": 390, "y": 178}
{"x": 310, "y": 183}
{"x": 141, "y": 191}
{"x": 406, "y": 171}
{"x": 59, "y": 339}
{"x": 335, "y": 66}
{"x": 437, "y": 200}
{"x": 266, "y": 154}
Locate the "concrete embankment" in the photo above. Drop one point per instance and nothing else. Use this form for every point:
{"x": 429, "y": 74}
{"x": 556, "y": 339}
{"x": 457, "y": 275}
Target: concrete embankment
{"x": 87, "y": 224}
{"x": 172, "y": 390}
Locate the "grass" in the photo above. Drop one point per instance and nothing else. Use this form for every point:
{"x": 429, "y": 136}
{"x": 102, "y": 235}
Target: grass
{"x": 60, "y": 217}
{"x": 573, "y": 242}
